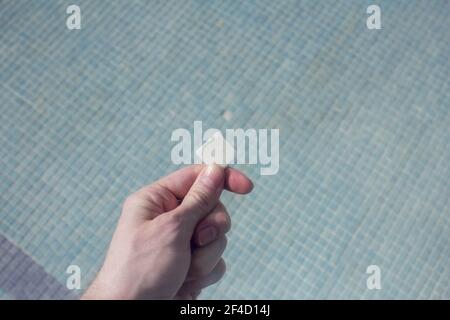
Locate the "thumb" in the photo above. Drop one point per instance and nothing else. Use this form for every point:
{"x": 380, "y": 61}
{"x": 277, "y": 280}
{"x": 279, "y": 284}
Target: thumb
{"x": 203, "y": 196}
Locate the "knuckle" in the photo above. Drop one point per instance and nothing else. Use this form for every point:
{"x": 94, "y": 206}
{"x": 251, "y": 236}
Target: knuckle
{"x": 220, "y": 218}
{"x": 228, "y": 224}
{"x": 226, "y": 221}
{"x": 201, "y": 199}
{"x": 221, "y": 267}
{"x": 128, "y": 206}
{"x": 223, "y": 243}
{"x": 200, "y": 269}
{"x": 197, "y": 269}
{"x": 221, "y": 207}
{"x": 131, "y": 200}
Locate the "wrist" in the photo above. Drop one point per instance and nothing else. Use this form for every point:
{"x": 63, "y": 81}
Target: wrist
{"x": 101, "y": 289}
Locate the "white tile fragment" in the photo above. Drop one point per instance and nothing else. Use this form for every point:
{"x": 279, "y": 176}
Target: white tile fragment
{"x": 216, "y": 150}
{"x": 227, "y": 115}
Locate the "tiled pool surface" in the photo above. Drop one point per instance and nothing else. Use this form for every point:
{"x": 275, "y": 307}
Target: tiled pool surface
{"x": 86, "y": 118}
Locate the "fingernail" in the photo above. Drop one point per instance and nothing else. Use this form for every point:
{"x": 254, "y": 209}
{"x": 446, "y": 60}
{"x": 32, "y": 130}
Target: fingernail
{"x": 212, "y": 176}
{"x": 207, "y": 235}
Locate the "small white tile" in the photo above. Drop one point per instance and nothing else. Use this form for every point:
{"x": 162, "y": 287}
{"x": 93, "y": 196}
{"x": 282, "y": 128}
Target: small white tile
{"x": 216, "y": 150}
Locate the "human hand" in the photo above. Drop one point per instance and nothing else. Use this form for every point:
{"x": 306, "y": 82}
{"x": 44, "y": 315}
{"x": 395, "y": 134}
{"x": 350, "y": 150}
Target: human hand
{"x": 170, "y": 237}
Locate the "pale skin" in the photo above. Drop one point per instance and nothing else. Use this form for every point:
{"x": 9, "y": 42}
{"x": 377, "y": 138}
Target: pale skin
{"x": 170, "y": 237}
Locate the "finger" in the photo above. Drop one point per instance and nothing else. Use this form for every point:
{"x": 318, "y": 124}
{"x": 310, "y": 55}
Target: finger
{"x": 187, "y": 295}
{"x": 216, "y": 223}
{"x": 204, "y": 259}
{"x": 170, "y": 189}
{"x": 179, "y": 182}
{"x": 194, "y": 287}
{"x": 195, "y": 294}
{"x": 237, "y": 182}
{"x": 184, "y": 296}
{"x": 202, "y": 197}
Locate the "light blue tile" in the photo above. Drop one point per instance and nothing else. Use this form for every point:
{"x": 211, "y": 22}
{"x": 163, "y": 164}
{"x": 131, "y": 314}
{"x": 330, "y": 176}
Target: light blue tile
{"x": 364, "y": 123}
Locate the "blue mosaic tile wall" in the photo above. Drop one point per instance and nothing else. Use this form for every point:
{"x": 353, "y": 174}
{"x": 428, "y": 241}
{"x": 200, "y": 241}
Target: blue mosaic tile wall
{"x": 86, "y": 118}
